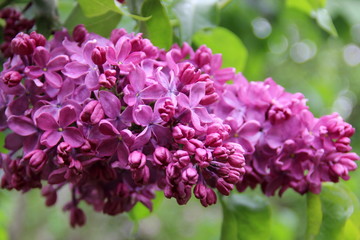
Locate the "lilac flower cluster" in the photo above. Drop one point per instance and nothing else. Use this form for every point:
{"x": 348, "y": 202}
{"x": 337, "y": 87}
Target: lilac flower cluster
{"x": 14, "y": 23}
{"x": 285, "y": 145}
{"x": 117, "y": 119}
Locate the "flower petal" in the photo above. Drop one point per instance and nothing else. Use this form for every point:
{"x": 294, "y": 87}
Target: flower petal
{"x": 21, "y": 125}
{"x": 41, "y": 56}
{"x": 46, "y": 121}
{"x": 50, "y": 138}
{"x": 106, "y": 128}
{"x": 75, "y": 69}
{"x": 53, "y": 79}
{"x": 73, "y": 137}
{"x": 110, "y": 103}
{"x": 57, "y": 63}
{"x": 67, "y": 115}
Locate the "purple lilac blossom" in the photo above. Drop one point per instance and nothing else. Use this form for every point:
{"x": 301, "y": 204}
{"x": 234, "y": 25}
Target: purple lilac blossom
{"x": 117, "y": 119}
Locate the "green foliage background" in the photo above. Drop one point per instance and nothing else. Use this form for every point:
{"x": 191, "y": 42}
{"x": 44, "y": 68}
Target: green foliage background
{"x": 308, "y": 46}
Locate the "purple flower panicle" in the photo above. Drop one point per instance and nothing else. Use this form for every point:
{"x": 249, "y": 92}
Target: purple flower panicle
{"x": 118, "y": 119}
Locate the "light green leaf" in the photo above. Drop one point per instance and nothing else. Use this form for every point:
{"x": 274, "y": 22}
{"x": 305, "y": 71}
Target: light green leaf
{"x": 302, "y": 5}
{"x": 223, "y": 41}
{"x": 337, "y": 206}
{"x": 323, "y": 18}
{"x": 314, "y": 215}
{"x": 195, "y": 15}
{"x": 101, "y": 25}
{"x": 92, "y": 8}
{"x": 248, "y": 215}
{"x": 158, "y": 28}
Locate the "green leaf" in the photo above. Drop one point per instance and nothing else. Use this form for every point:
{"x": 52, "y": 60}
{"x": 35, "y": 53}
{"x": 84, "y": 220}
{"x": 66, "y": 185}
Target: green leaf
{"x": 102, "y": 25}
{"x": 223, "y": 41}
{"x": 323, "y": 19}
{"x": 158, "y": 28}
{"x": 47, "y": 19}
{"x": 301, "y": 5}
{"x": 92, "y": 8}
{"x": 314, "y": 215}
{"x": 195, "y": 15}
{"x": 246, "y": 217}
{"x": 337, "y": 206}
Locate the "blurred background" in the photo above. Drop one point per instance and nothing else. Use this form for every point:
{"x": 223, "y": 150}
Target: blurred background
{"x": 282, "y": 40}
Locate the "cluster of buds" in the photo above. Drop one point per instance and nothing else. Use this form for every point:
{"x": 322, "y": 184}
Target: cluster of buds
{"x": 118, "y": 119}
{"x": 14, "y": 23}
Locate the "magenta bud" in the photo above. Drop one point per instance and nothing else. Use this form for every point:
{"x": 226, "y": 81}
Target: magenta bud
{"x": 50, "y": 194}
{"x": 203, "y": 56}
{"x": 141, "y": 176}
{"x": 237, "y": 160}
{"x": 12, "y": 78}
{"x": 77, "y": 217}
{"x": 233, "y": 177}
{"x": 220, "y": 153}
{"x": 343, "y": 144}
{"x": 224, "y": 187}
{"x": 137, "y": 160}
{"x": 39, "y": 39}
{"x": 162, "y": 156}
{"x": 190, "y": 176}
{"x": 80, "y": 33}
{"x": 182, "y": 132}
{"x": 22, "y": 44}
{"x": 63, "y": 152}
{"x": 200, "y": 191}
{"x": 98, "y": 55}
{"x": 181, "y": 158}
{"x": 172, "y": 172}
{"x": 92, "y": 112}
{"x": 108, "y": 78}
{"x": 209, "y": 99}
{"x": 37, "y": 160}
{"x": 203, "y": 157}
{"x": 213, "y": 140}
{"x": 167, "y": 111}
{"x": 188, "y": 74}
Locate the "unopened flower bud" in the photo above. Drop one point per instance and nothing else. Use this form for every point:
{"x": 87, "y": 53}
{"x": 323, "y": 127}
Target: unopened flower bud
{"x": 224, "y": 187}
{"x": 98, "y": 55}
{"x": 203, "y": 157}
{"x": 167, "y": 111}
{"x": 80, "y": 33}
{"x": 92, "y": 112}
{"x": 213, "y": 140}
{"x": 162, "y": 156}
{"x": 190, "y": 176}
{"x": 22, "y": 44}
{"x": 137, "y": 159}
{"x": 77, "y": 217}
{"x": 37, "y": 160}
{"x": 108, "y": 78}
{"x": 50, "y": 194}
{"x": 12, "y": 78}
{"x": 220, "y": 153}
{"x": 188, "y": 74}
{"x": 39, "y": 39}
{"x": 181, "y": 158}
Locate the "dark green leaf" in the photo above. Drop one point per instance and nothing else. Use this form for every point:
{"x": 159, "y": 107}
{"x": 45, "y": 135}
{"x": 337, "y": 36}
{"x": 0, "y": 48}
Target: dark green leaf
{"x": 195, "y": 15}
{"x": 158, "y": 28}
{"x": 101, "y": 25}
{"x": 248, "y": 215}
{"x": 47, "y": 19}
{"x": 314, "y": 215}
{"x": 223, "y": 41}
